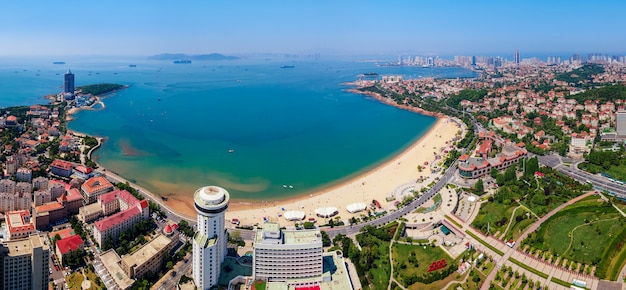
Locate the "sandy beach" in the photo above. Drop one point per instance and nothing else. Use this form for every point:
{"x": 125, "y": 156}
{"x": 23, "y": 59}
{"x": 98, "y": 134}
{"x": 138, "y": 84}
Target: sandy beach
{"x": 376, "y": 184}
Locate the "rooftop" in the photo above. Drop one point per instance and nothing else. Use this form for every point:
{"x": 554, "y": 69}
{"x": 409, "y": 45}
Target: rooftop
{"x": 111, "y": 262}
{"x": 61, "y": 164}
{"x": 25, "y": 246}
{"x": 69, "y": 244}
{"x": 49, "y": 207}
{"x": 96, "y": 184}
{"x": 271, "y": 234}
{"x": 144, "y": 253}
{"x": 90, "y": 209}
{"x": 116, "y": 219}
{"x": 19, "y": 221}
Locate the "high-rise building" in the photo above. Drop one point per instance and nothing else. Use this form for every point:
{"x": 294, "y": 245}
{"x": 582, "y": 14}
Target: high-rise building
{"x": 620, "y": 123}
{"x": 517, "y": 57}
{"x": 287, "y": 256}
{"x": 209, "y": 243}
{"x": 24, "y": 264}
{"x": 68, "y": 84}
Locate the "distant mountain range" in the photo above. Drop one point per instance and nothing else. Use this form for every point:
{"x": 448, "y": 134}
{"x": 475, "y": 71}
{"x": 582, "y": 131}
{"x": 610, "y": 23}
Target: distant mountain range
{"x": 177, "y": 56}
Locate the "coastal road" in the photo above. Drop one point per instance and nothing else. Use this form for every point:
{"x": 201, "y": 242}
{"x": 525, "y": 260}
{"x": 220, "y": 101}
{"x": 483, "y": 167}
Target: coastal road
{"x": 392, "y": 216}
{"x": 598, "y": 181}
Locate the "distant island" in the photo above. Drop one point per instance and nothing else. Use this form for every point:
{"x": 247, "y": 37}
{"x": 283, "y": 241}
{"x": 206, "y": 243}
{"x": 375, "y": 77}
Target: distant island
{"x": 178, "y": 56}
{"x": 99, "y": 89}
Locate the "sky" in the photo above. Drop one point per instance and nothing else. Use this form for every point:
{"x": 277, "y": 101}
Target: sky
{"x": 138, "y": 27}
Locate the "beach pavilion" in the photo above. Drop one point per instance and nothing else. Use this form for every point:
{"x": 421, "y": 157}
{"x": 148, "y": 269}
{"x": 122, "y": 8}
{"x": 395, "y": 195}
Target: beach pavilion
{"x": 356, "y": 207}
{"x": 294, "y": 215}
{"x": 326, "y": 212}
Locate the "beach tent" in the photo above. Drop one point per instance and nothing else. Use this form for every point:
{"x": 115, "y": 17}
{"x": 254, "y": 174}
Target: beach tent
{"x": 326, "y": 212}
{"x": 471, "y": 199}
{"x": 294, "y": 215}
{"x": 356, "y": 207}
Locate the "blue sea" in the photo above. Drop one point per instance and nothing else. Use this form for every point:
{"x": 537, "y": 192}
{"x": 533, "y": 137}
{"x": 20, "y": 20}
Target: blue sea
{"x": 291, "y": 130}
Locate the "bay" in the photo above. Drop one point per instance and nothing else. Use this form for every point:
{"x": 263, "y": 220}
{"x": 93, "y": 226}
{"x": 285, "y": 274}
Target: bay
{"x": 291, "y": 130}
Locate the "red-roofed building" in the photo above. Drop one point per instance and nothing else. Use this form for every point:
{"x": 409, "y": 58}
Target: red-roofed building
{"x": 83, "y": 172}
{"x": 95, "y": 187}
{"x": 114, "y": 225}
{"x": 11, "y": 121}
{"x": 61, "y": 168}
{"x": 67, "y": 245}
{"x": 19, "y": 225}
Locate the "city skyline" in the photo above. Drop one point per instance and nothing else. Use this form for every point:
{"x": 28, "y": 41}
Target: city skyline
{"x": 363, "y": 28}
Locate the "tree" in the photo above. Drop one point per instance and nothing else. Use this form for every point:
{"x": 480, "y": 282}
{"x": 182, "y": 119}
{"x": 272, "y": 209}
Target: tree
{"x": 493, "y": 172}
{"x": 169, "y": 265}
{"x": 479, "y": 187}
{"x": 325, "y": 239}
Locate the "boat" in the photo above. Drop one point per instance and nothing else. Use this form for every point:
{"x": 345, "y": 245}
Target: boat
{"x": 287, "y": 66}
{"x": 370, "y": 74}
{"x": 231, "y": 150}
{"x": 132, "y": 65}
{"x": 284, "y": 186}
{"x": 290, "y": 186}
{"x": 58, "y": 62}
{"x": 182, "y": 61}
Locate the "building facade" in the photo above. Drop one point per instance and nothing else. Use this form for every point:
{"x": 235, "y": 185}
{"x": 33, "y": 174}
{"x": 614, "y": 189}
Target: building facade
{"x": 287, "y": 256}
{"x": 620, "y": 123}
{"x": 95, "y": 187}
{"x": 24, "y": 264}
{"x": 68, "y": 82}
{"x": 114, "y": 225}
{"x": 209, "y": 243}
{"x": 19, "y": 225}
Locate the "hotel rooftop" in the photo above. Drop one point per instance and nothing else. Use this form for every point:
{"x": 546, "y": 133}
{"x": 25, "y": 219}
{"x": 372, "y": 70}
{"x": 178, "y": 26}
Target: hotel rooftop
{"x": 272, "y": 234}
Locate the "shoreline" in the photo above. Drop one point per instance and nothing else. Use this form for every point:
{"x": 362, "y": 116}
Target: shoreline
{"x": 376, "y": 183}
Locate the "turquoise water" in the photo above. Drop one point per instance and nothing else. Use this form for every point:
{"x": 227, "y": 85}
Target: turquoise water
{"x": 172, "y": 129}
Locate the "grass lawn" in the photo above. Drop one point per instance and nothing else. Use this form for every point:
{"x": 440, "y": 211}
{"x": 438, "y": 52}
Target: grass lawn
{"x": 518, "y": 228}
{"x": 91, "y": 276}
{"x": 580, "y": 232}
{"x": 469, "y": 284}
{"x": 424, "y": 255}
{"x": 613, "y": 258}
{"x": 618, "y": 172}
{"x": 74, "y": 281}
{"x": 620, "y": 204}
{"x": 381, "y": 270}
{"x": 497, "y": 215}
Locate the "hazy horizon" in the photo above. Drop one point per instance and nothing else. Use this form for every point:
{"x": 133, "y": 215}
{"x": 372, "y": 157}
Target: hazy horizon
{"x": 142, "y": 28}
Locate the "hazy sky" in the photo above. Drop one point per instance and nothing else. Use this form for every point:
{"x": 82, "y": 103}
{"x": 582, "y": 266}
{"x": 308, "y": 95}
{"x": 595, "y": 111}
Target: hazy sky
{"x": 134, "y": 27}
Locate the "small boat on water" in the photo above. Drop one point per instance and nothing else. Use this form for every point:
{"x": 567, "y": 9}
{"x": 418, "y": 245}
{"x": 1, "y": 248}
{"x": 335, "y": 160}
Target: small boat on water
{"x": 231, "y": 150}
{"x": 58, "y": 62}
{"x": 288, "y": 66}
{"x": 132, "y": 65}
{"x": 284, "y": 186}
{"x": 290, "y": 186}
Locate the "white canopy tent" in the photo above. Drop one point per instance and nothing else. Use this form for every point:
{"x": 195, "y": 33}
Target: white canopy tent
{"x": 294, "y": 215}
{"x": 326, "y": 212}
{"x": 356, "y": 207}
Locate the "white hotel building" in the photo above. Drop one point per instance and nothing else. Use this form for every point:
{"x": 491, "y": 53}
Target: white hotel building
{"x": 209, "y": 243}
{"x": 294, "y": 257}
